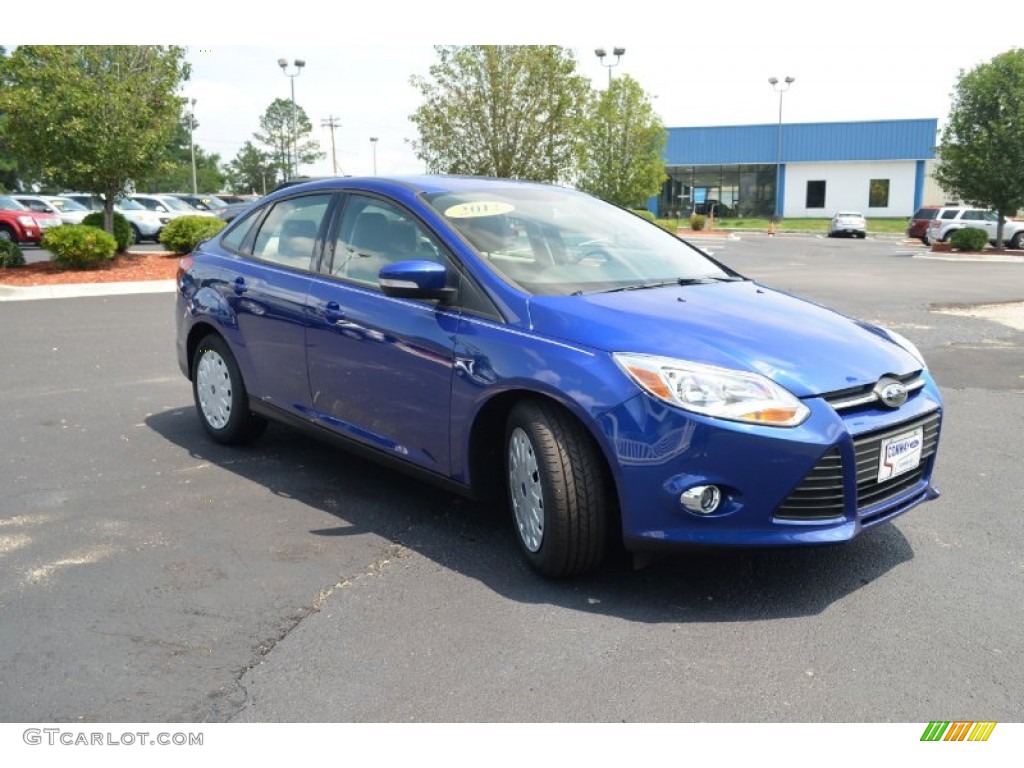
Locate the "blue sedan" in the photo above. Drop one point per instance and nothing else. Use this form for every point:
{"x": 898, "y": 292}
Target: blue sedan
{"x": 523, "y": 341}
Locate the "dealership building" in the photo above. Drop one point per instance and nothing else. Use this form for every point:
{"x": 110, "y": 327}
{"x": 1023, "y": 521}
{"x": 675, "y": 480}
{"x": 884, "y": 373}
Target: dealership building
{"x": 880, "y": 168}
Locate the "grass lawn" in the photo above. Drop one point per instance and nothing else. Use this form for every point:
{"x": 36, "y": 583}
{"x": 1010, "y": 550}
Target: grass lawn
{"x": 877, "y": 226}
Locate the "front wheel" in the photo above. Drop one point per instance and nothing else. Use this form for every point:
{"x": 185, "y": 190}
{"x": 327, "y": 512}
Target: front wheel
{"x": 558, "y": 490}
{"x": 6, "y": 234}
{"x": 1017, "y": 241}
{"x": 220, "y": 396}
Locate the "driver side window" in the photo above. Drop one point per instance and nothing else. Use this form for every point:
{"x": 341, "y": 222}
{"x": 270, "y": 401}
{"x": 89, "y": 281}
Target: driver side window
{"x": 374, "y": 234}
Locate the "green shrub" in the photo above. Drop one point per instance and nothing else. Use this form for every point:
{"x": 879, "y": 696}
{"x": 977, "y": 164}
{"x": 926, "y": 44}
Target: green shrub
{"x": 79, "y": 246}
{"x": 183, "y": 234}
{"x": 123, "y": 234}
{"x": 969, "y": 239}
{"x": 697, "y": 221}
{"x": 644, "y": 214}
{"x": 10, "y": 254}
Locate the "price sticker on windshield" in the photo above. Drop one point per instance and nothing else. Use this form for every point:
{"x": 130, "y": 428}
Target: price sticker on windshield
{"x": 900, "y": 454}
{"x": 478, "y": 209}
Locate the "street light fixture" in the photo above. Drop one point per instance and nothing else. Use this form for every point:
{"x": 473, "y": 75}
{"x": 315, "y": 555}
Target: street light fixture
{"x": 616, "y": 52}
{"x": 373, "y": 143}
{"x": 780, "y": 89}
{"x": 299, "y": 64}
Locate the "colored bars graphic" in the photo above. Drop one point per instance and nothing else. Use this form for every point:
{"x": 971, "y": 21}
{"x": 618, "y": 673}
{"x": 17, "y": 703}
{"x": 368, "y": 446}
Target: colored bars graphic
{"x": 958, "y": 731}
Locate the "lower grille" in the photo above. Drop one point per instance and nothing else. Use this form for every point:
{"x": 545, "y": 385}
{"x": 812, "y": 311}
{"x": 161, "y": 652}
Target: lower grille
{"x": 820, "y": 495}
{"x": 870, "y": 492}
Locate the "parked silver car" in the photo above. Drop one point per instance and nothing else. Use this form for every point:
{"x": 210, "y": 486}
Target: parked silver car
{"x": 69, "y": 211}
{"x": 848, "y": 224}
{"x": 169, "y": 205}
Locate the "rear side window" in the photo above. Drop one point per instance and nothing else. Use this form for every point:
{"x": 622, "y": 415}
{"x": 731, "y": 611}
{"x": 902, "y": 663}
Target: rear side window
{"x": 949, "y": 214}
{"x": 288, "y": 235}
{"x": 926, "y": 213}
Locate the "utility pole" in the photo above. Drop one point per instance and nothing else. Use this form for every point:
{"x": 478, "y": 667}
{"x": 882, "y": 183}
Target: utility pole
{"x": 332, "y": 123}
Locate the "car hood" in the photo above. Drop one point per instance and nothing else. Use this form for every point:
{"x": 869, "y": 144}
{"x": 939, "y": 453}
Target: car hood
{"x": 808, "y": 349}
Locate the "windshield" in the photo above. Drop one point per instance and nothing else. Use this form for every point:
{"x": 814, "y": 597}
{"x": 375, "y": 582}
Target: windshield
{"x": 176, "y": 205}
{"x": 127, "y": 204}
{"x": 10, "y": 204}
{"x": 66, "y": 204}
{"x": 553, "y": 241}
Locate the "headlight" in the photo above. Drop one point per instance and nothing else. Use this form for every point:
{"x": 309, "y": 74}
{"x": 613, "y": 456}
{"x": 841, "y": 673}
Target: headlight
{"x": 717, "y": 392}
{"x": 28, "y": 221}
{"x": 907, "y": 344}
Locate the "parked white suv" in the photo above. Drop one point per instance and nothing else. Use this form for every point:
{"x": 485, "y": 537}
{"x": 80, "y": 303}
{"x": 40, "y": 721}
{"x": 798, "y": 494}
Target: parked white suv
{"x": 146, "y": 225}
{"x": 169, "y": 205}
{"x": 949, "y": 220}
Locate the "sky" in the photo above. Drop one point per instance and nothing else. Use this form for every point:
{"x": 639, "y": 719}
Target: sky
{"x": 702, "y": 64}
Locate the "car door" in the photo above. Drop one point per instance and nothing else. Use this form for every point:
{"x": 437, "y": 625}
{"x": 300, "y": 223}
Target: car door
{"x": 267, "y": 290}
{"x": 380, "y": 368}
{"x": 978, "y": 219}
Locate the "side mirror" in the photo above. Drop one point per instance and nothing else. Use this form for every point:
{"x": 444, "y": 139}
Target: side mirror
{"x": 417, "y": 279}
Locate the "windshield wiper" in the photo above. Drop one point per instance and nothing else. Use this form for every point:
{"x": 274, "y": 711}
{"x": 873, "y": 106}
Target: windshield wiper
{"x": 676, "y": 281}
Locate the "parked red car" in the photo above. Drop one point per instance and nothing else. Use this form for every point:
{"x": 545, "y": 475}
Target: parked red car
{"x": 919, "y": 222}
{"x": 20, "y": 225}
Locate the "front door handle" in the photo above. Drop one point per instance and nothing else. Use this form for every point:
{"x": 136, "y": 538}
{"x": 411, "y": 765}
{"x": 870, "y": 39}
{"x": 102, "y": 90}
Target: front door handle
{"x": 333, "y": 312}
{"x": 240, "y": 286}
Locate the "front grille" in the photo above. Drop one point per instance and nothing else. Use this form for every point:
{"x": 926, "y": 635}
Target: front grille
{"x": 854, "y": 397}
{"x": 820, "y": 495}
{"x": 870, "y": 492}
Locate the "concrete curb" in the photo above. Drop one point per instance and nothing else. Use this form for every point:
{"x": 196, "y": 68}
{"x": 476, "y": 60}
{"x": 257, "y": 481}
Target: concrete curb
{"x": 76, "y": 290}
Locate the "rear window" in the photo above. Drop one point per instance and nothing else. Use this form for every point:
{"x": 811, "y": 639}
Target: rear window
{"x": 926, "y": 213}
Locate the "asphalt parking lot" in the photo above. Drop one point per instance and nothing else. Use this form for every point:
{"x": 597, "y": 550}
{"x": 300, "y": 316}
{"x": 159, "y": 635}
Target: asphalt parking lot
{"x": 150, "y": 575}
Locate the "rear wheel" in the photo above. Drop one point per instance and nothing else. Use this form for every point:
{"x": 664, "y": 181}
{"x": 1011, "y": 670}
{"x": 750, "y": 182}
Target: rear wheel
{"x": 220, "y": 396}
{"x": 558, "y": 490}
{"x": 1017, "y": 241}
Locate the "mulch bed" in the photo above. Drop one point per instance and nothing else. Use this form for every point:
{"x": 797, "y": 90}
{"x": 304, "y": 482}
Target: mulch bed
{"x": 130, "y": 266}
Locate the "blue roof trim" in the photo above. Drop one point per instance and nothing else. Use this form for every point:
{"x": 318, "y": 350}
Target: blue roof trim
{"x": 803, "y": 142}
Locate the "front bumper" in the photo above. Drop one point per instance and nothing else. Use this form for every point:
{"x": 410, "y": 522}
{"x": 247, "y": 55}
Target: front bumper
{"x": 812, "y": 484}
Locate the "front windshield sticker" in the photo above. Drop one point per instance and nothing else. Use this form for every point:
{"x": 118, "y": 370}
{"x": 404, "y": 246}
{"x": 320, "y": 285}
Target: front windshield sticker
{"x": 476, "y": 210}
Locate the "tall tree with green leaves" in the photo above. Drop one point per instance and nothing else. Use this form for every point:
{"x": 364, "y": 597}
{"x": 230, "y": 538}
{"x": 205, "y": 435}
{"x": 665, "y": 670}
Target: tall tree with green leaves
{"x": 513, "y": 111}
{"x": 92, "y": 117}
{"x": 252, "y": 171}
{"x": 287, "y": 151}
{"x": 624, "y": 162}
{"x": 982, "y": 150}
{"x": 175, "y": 174}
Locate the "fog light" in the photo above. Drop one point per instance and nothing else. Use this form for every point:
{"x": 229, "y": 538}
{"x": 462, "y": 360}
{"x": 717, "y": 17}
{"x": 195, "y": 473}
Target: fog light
{"x": 702, "y": 499}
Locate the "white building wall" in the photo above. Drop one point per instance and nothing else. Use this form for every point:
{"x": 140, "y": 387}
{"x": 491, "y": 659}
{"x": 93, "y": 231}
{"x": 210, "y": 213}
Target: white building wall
{"x": 846, "y": 188}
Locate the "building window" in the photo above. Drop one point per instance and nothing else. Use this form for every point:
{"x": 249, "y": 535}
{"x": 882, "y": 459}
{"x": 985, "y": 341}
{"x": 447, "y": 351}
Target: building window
{"x": 878, "y": 193}
{"x": 815, "y": 194}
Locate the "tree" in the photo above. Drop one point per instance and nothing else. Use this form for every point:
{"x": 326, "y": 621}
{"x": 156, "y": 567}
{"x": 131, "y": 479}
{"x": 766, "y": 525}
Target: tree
{"x": 513, "y": 111}
{"x": 252, "y": 172}
{"x": 92, "y": 117}
{"x": 982, "y": 150}
{"x": 625, "y": 145}
{"x": 277, "y": 137}
{"x": 175, "y": 174}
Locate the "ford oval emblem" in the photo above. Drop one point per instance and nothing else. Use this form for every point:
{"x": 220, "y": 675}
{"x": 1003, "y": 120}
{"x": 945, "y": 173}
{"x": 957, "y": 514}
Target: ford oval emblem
{"x": 892, "y": 393}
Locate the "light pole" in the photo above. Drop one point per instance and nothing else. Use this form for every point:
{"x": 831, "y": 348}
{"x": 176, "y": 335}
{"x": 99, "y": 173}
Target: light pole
{"x": 616, "y": 52}
{"x": 373, "y": 143}
{"x": 192, "y": 143}
{"x": 780, "y": 89}
{"x": 299, "y": 64}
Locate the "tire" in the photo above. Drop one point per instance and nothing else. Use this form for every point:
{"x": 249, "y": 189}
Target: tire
{"x": 558, "y": 491}
{"x": 136, "y": 235}
{"x": 1017, "y": 241}
{"x": 7, "y": 234}
{"x": 220, "y": 396}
